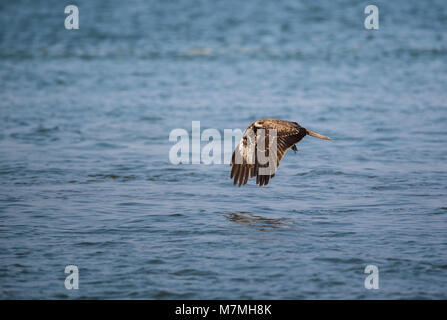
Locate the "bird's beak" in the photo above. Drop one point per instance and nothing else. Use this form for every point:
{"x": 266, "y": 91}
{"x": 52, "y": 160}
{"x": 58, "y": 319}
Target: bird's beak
{"x": 317, "y": 135}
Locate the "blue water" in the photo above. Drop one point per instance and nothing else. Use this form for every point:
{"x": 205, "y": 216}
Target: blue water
{"x": 85, "y": 177}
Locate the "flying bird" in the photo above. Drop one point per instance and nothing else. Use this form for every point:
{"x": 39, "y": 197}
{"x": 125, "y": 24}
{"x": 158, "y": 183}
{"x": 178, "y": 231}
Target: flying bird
{"x": 255, "y": 154}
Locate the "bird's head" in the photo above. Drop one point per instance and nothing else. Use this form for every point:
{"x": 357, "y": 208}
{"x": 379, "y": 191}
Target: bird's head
{"x": 259, "y": 124}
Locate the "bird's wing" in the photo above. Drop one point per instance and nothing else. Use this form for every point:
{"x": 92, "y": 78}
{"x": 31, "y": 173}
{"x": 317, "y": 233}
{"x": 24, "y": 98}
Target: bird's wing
{"x": 243, "y": 159}
{"x": 252, "y": 156}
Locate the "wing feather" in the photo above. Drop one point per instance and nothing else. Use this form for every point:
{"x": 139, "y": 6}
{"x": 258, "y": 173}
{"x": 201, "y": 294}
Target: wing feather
{"x": 245, "y": 161}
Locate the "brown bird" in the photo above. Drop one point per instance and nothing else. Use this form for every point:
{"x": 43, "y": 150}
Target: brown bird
{"x": 255, "y": 154}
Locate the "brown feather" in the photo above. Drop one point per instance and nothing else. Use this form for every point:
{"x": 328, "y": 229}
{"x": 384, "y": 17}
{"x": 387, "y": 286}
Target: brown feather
{"x": 247, "y": 172}
{"x": 252, "y": 171}
{"x": 241, "y": 174}
{"x": 236, "y": 172}
{"x": 266, "y": 180}
{"x": 287, "y": 135}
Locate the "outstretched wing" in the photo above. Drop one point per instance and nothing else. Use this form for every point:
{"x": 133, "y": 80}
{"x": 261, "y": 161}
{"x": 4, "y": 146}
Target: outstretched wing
{"x": 243, "y": 160}
{"x": 255, "y": 154}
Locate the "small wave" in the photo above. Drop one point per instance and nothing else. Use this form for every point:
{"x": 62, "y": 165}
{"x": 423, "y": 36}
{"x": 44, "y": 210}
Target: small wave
{"x": 112, "y": 176}
{"x": 151, "y": 118}
{"x": 162, "y": 294}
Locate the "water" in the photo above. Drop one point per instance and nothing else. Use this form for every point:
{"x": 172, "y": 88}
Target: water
{"x": 85, "y": 177}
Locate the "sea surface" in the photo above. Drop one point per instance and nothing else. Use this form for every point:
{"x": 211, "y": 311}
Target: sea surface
{"x": 85, "y": 175}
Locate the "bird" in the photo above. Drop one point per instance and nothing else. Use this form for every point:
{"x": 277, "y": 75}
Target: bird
{"x": 252, "y": 156}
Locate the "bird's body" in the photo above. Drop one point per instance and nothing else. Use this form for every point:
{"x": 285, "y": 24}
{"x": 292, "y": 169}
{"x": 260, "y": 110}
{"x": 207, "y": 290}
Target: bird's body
{"x": 255, "y": 154}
